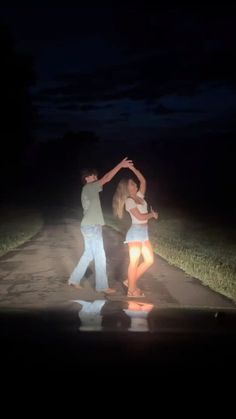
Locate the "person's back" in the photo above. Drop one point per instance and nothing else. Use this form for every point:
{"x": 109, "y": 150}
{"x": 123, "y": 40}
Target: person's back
{"x": 91, "y": 204}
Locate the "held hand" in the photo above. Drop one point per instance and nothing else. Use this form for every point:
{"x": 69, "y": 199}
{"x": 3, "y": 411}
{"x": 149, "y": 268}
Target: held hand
{"x": 133, "y": 168}
{"x": 154, "y": 214}
{"x": 125, "y": 163}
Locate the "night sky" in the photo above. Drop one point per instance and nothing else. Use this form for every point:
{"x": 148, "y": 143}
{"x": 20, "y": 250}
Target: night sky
{"x": 129, "y": 73}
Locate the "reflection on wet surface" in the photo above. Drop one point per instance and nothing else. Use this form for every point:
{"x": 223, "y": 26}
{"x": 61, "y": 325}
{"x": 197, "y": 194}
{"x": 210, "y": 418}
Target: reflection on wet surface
{"x": 119, "y": 336}
{"x": 107, "y": 315}
{"x": 138, "y": 316}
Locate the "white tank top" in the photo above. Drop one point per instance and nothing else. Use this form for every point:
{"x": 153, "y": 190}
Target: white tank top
{"x": 130, "y": 204}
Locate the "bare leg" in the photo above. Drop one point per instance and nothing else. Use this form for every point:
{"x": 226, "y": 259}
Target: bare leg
{"x": 134, "y": 256}
{"x": 147, "y": 253}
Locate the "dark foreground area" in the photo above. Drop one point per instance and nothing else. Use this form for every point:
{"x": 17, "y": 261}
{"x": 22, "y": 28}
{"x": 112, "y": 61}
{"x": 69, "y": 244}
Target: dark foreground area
{"x": 196, "y": 342}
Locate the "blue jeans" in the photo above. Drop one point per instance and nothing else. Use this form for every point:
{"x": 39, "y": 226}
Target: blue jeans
{"x": 93, "y": 250}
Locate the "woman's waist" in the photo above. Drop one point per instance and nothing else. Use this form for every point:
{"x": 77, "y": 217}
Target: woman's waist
{"x": 143, "y": 224}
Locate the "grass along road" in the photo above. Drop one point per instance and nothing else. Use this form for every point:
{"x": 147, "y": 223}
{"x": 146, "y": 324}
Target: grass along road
{"x": 17, "y": 225}
{"x": 200, "y": 248}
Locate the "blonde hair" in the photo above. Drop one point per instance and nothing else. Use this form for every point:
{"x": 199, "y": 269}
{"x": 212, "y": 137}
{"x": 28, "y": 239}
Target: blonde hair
{"x": 119, "y": 198}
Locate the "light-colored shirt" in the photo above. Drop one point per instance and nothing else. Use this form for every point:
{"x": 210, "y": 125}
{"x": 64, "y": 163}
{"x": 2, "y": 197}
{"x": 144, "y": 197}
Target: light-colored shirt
{"x": 91, "y": 204}
{"x": 130, "y": 204}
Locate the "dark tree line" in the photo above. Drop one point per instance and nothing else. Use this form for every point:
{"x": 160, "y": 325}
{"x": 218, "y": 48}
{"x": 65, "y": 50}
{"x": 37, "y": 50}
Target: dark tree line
{"x": 17, "y": 113}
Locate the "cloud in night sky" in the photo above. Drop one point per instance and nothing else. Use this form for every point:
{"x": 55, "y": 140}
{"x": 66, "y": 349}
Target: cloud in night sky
{"x": 130, "y": 71}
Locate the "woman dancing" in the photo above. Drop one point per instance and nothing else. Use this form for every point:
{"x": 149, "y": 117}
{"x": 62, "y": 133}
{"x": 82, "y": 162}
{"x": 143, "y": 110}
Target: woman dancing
{"x": 131, "y": 198}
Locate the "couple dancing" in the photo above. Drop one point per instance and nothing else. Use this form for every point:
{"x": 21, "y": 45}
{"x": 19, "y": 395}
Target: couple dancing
{"x": 127, "y": 196}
